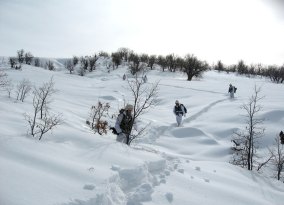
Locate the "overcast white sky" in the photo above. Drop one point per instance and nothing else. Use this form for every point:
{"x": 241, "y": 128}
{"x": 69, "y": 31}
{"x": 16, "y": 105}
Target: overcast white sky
{"x": 227, "y": 30}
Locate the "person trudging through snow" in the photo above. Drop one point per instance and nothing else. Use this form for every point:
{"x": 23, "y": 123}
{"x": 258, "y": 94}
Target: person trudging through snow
{"x": 232, "y": 90}
{"x": 145, "y": 79}
{"x": 124, "y": 124}
{"x": 180, "y": 111}
{"x": 124, "y": 77}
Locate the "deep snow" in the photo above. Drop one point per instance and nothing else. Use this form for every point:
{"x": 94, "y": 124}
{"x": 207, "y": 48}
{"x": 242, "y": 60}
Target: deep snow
{"x": 169, "y": 165}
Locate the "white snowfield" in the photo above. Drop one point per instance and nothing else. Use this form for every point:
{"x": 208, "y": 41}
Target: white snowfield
{"x": 187, "y": 165}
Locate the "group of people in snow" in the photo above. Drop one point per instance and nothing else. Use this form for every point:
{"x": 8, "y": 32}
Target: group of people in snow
{"x": 124, "y": 120}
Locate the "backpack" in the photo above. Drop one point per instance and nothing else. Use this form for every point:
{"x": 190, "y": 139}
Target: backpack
{"x": 124, "y": 122}
{"x": 235, "y": 89}
{"x": 185, "y": 110}
{"x": 121, "y": 111}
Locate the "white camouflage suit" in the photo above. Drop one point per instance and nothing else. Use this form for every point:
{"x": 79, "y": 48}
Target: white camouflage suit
{"x": 121, "y": 127}
{"x": 179, "y": 113}
{"x": 231, "y": 91}
{"x": 121, "y": 137}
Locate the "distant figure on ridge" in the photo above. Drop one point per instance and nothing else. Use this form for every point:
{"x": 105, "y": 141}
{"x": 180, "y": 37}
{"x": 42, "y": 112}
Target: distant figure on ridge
{"x": 179, "y": 110}
{"x": 232, "y": 90}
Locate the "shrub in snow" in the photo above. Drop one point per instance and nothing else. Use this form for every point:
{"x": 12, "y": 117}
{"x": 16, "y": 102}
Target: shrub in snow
{"x": 277, "y": 154}
{"x": 246, "y": 142}
{"x": 12, "y": 61}
{"x": 144, "y": 97}
{"x": 69, "y": 66}
{"x": 41, "y": 121}
{"x": 50, "y": 65}
{"x": 96, "y": 122}
{"x": 20, "y": 54}
{"x": 23, "y": 89}
{"x": 92, "y": 62}
{"x": 9, "y": 87}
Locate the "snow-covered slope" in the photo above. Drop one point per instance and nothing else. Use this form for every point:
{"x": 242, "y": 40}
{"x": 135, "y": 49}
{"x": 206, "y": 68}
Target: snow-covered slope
{"x": 169, "y": 165}
{"x": 57, "y": 62}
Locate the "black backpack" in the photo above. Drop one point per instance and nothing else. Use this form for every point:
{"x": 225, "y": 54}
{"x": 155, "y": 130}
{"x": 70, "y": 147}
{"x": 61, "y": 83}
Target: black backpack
{"x": 235, "y": 89}
{"x": 185, "y": 110}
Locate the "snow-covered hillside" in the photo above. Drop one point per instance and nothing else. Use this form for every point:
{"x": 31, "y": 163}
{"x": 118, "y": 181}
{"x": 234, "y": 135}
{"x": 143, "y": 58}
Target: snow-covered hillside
{"x": 57, "y": 62}
{"x": 169, "y": 165}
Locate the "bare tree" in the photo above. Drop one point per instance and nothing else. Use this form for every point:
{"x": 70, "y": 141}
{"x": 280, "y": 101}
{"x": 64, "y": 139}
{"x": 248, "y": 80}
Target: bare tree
{"x": 22, "y": 89}
{"x": 97, "y": 114}
{"x": 162, "y": 62}
{"x": 220, "y": 66}
{"x": 75, "y": 60}
{"x": 246, "y": 142}
{"x": 171, "y": 62}
{"x": 275, "y": 73}
{"x": 9, "y": 87}
{"x": 21, "y": 57}
{"x": 50, "y": 65}
{"x": 69, "y": 66}
{"x": 32, "y": 120}
{"x": 44, "y": 94}
{"x": 92, "y": 62}
{"x": 48, "y": 123}
{"x": 103, "y": 54}
{"x": 242, "y": 68}
{"x": 144, "y": 58}
{"x": 137, "y": 67}
{"x": 36, "y": 62}
{"x": 152, "y": 61}
{"x": 12, "y": 61}
{"x": 277, "y": 154}
{"x": 179, "y": 63}
{"x": 116, "y": 59}
{"x": 41, "y": 121}
{"x": 123, "y": 53}
{"x": 144, "y": 97}
{"x": 28, "y": 58}
{"x": 84, "y": 62}
{"x": 193, "y": 67}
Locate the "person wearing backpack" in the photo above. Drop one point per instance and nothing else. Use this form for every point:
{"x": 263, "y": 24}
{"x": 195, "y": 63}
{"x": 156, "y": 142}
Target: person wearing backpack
{"x": 145, "y": 79}
{"x": 180, "y": 111}
{"x": 232, "y": 90}
{"x": 124, "y": 124}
